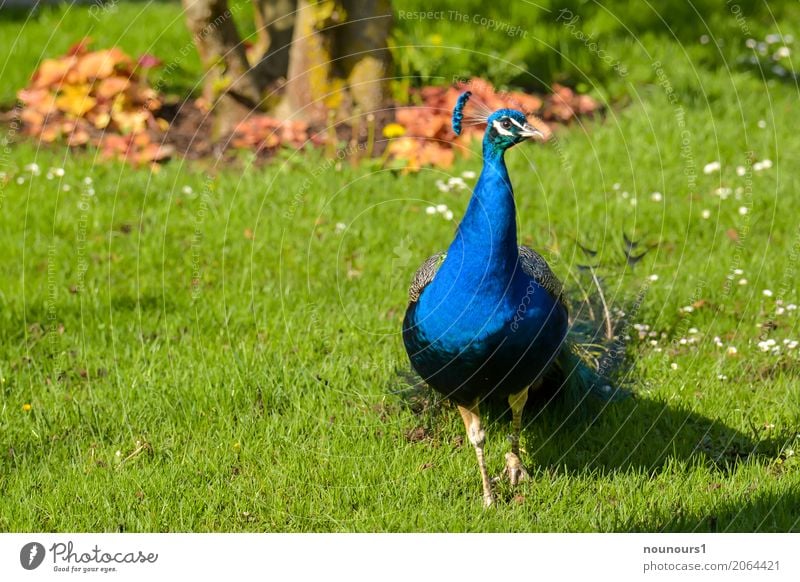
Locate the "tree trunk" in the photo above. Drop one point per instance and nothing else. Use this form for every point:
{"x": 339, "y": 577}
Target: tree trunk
{"x": 339, "y": 58}
{"x": 275, "y": 26}
{"x": 229, "y": 86}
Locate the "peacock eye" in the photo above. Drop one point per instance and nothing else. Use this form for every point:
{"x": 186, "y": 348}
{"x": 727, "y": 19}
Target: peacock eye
{"x": 506, "y": 123}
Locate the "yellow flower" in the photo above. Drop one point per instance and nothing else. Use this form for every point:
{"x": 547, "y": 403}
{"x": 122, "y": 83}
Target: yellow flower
{"x": 26, "y": 407}
{"x": 394, "y": 130}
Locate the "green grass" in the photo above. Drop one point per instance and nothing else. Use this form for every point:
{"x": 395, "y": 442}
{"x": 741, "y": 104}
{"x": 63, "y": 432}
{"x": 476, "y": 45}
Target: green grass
{"x": 227, "y": 359}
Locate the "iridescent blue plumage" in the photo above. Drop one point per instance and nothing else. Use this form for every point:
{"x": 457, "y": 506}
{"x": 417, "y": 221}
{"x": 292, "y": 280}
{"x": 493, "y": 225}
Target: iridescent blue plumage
{"x": 458, "y": 111}
{"x": 487, "y": 319}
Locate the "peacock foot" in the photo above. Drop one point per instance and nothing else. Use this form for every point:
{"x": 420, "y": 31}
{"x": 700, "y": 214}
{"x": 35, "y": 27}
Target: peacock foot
{"x": 514, "y": 469}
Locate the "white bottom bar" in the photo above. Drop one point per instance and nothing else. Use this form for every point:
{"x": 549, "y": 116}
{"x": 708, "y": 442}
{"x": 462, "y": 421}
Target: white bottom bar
{"x": 401, "y": 557}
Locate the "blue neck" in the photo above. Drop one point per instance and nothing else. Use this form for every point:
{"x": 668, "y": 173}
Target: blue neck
{"x": 484, "y": 253}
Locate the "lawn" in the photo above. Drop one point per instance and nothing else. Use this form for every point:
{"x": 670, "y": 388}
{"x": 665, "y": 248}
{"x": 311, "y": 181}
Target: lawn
{"x": 214, "y": 347}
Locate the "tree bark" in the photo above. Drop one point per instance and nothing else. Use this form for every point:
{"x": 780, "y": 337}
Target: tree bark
{"x": 229, "y": 85}
{"x": 339, "y": 58}
{"x": 275, "y": 26}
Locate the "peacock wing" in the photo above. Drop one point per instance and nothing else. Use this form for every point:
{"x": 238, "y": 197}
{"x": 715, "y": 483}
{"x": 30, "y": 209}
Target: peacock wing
{"x": 424, "y": 275}
{"x": 537, "y": 269}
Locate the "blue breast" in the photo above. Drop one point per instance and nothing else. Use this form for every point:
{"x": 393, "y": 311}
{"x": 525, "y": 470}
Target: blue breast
{"x": 472, "y": 345}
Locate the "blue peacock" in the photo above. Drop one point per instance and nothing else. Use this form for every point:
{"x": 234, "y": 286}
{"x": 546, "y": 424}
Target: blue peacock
{"x": 487, "y": 319}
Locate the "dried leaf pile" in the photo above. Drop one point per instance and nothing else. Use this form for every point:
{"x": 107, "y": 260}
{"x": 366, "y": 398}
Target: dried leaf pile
{"x": 103, "y": 98}
{"x": 99, "y": 97}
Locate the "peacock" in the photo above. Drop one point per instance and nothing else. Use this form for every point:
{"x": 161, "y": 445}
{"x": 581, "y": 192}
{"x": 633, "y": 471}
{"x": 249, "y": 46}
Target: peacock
{"x": 487, "y": 319}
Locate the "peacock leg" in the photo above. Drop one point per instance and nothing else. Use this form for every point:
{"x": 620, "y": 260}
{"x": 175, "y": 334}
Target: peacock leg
{"x": 472, "y": 422}
{"x": 514, "y": 469}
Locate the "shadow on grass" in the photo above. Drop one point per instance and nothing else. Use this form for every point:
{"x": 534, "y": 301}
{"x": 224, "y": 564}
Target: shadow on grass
{"x": 763, "y": 512}
{"x": 634, "y": 434}
{"x": 637, "y": 434}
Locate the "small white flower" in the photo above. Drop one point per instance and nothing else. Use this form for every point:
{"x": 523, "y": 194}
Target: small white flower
{"x": 780, "y": 310}
{"x": 731, "y": 351}
{"x": 743, "y": 210}
{"x": 87, "y": 180}
{"x": 656, "y": 197}
{"x": 468, "y": 175}
{"x": 20, "y": 180}
{"x": 616, "y": 186}
{"x": 773, "y": 38}
{"x": 693, "y": 330}
{"x": 448, "y": 215}
{"x": 625, "y": 194}
{"x": 441, "y": 208}
{"x": 738, "y": 272}
{"x": 674, "y": 366}
{"x": 721, "y": 377}
{"x": 750, "y": 43}
{"x": 66, "y": 187}
{"x": 712, "y": 167}
{"x": 791, "y": 307}
{"x": 791, "y": 345}
{"x": 762, "y": 124}
{"x": 187, "y": 190}
{"x": 118, "y": 454}
{"x": 687, "y": 309}
{"x": 742, "y": 281}
{"x": 634, "y": 201}
{"x": 340, "y": 227}
{"x": 653, "y": 342}
{"x": 430, "y": 210}
{"x": 706, "y": 214}
{"x": 457, "y": 182}
{"x": 767, "y": 293}
{"x": 653, "y": 277}
{"x": 723, "y": 192}
{"x": 441, "y": 186}
{"x": 49, "y": 175}
{"x": 682, "y": 341}
{"x": 741, "y": 170}
{"x": 704, "y": 39}
{"x": 33, "y": 169}
{"x": 59, "y": 172}
{"x": 782, "y": 53}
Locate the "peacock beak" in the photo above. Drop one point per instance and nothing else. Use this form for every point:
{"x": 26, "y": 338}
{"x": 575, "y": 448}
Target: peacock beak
{"x": 529, "y": 131}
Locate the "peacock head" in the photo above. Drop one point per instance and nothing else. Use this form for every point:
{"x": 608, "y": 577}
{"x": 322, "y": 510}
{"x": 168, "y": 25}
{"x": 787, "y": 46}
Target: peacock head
{"x": 505, "y": 128}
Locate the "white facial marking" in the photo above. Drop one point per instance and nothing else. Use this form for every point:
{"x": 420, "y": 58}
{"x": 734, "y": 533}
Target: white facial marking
{"x": 515, "y": 122}
{"x": 500, "y": 129}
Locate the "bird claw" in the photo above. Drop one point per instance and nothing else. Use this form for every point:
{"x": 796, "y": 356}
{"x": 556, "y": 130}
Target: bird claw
{"x": 514, "y": 469}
